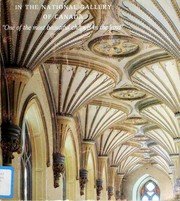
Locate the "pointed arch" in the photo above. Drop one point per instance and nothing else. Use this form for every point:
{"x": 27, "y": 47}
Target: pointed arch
{"x": 32, "y": 114}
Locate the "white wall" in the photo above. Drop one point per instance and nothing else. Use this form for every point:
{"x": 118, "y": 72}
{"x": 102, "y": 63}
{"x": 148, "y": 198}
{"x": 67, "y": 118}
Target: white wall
{"x": 164, "y": 182}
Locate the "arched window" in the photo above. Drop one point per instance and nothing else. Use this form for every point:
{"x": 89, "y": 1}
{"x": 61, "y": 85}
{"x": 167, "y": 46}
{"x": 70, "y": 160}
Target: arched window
{"x": 26, "y": 164}
{"x": 150, "y": 192}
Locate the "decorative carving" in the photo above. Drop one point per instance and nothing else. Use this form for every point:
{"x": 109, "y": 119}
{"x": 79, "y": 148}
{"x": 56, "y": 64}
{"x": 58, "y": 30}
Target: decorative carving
{"x": 110, "y": 192}
{"x": 58, "y": 167}
{"x": 16, "y": 82}
{"x": 114, "y": 45}
{"x": 128, "y": 94}
{"x": 99, "y": 188}
{"x": 10, "y": 141}
{"x": 83, "y": 180}
{"x": 135, "y": 121}
{"x": 118, "y": 195}
{"x": 177, "y": 188}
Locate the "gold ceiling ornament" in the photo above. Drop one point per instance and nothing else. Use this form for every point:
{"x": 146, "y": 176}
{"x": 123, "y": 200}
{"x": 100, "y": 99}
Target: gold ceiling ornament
{"x": 114, "y": 46}
{"x": 33, "y": 31}
{"x": 140, "y": 138}
{"x": 160, "y": 27}
{"x": 135, "y": 121}
{"x": 160, "y": 79}
{"x": 128, "y": 94}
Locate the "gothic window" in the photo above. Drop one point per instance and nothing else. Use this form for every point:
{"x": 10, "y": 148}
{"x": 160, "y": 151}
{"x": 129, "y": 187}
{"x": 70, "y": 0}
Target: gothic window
{"x": 150, "y": 192}
{"x": 26, "y": 164}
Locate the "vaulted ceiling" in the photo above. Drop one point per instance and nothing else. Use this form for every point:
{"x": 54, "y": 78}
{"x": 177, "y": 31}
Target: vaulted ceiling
{"x": 122, "y": 84}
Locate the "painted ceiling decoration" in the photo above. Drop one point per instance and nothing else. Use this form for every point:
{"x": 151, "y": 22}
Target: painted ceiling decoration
{"x": 114, "y": 46}
{"x": 153, "y": 21}
{"x": 38, "y": 37}
{"x": 128, "y": 93}
{"x": 135, "y": 121}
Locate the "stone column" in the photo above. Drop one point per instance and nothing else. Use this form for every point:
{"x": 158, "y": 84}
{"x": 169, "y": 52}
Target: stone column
{"x": 113, "y": 170}
{"x": 177, "y": 140}
{"x": 176, "y": 160}
{"x": 87, "y": 147}
{"x": 122, "y": 188}
{"x": 118, "y": 185}
{"x": 102, "y": 163}
{"x": 13, "y": 86}
{"x": 64, "y": 126}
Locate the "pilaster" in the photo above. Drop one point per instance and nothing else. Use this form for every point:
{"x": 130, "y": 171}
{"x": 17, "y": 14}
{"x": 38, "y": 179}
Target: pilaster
{"x": 118, "y": 184}
{"x": 176, "y": 173}
{"x": 112, "y": 173}
{"x": 176, "y": 161}
{"x": 87, "y": 147}
{"x": 64, "y": 126}
{"x": 102, "y": 163}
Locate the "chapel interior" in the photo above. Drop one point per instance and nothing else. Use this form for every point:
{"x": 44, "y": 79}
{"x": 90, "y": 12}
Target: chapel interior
{"x": 90, "y": 103}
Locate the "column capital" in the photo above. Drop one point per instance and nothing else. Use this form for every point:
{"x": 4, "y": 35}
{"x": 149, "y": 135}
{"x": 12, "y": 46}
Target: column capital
{"x": 114, "y": 167}
{"x": 102, "y": 157}
{"x": 88, "y": 142}
{"x": 16, "y": 78}
{"x": 120, "y": 174}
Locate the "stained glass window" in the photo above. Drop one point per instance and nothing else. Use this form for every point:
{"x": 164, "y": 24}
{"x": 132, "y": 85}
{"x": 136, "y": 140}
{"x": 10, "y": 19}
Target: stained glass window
{"x": 26, "y": 165}
{"x": 150, "y": 192}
